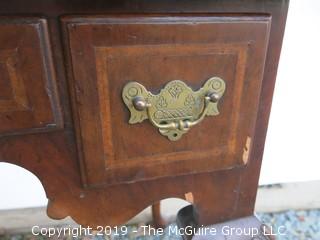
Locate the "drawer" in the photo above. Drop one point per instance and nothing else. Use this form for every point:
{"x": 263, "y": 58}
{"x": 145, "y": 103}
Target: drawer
{"x": 106, "y": 53}
{"x": 28, "y": 96}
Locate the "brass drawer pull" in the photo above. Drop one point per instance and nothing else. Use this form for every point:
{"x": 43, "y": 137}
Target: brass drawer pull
{"x": 176, "y": 108}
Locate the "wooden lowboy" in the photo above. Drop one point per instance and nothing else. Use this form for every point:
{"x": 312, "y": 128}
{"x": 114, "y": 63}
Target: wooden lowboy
{"x": 119, "y": 104}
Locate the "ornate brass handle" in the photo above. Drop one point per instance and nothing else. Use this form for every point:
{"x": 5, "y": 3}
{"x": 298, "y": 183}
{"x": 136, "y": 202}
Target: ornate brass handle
{"x": 176, "y": 108}
{"x": 140, "y": 104}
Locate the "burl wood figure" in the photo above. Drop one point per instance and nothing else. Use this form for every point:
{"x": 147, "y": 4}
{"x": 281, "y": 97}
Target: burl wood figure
{"x": 115, "y": 105}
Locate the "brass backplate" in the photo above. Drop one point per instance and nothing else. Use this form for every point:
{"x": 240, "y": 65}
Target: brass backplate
{"x": 176, "y": 107}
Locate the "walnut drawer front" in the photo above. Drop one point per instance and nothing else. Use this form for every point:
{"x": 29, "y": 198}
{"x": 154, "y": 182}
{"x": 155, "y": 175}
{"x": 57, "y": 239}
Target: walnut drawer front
{"x": 107, "y": 52}
{"x": 28, "y": 96}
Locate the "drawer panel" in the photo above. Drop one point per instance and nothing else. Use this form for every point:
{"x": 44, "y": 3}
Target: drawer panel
{"x": 28, "y": 96}
{"x": 108, "y": 52}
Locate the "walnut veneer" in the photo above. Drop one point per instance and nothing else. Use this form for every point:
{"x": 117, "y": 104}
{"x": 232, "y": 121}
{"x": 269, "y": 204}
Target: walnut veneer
{"x": 63, "y": 65}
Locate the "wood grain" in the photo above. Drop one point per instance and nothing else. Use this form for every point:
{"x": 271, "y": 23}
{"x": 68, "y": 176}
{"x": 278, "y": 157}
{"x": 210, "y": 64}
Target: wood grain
{"x": 54, "y": 156}
{"x": 27, "y": 79}
{"x": 116, "y": 50}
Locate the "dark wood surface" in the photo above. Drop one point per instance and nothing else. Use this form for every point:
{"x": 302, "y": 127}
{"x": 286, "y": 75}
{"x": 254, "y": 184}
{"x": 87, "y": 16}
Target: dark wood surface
{"x": 108, "y": 52}
{"x": 28, "y": 96}
{"x": 51, "y": 139}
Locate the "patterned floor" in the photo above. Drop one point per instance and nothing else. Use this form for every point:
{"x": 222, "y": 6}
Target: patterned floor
{"x": 299, "y": 225}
